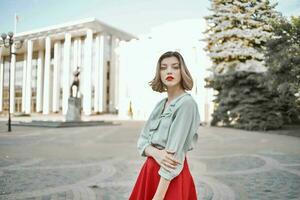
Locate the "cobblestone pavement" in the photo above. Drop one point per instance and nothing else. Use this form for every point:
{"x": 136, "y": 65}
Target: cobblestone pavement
{"x": 102, "y": 163}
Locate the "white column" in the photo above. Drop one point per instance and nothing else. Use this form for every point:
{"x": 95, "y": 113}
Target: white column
{"x": 113, "y": 76}
{"x": 79, "y": 63}
{"x": 46, "y": 92}
{"x": 87, "y": 73}
{"x": 1, "y": 80}
{"x": 40, "y": 82}
{"x": 24, "y": 82}
{"x": 56, "y": 77}
{"x": 28, "y": 78}
{"x": 79, "y": 44}
{"x": 97, "y": 73}
{"x": 102, "y": 74}
{"x": 75, "y": 54}
{"x": 66, "y": 73}
{"x": 117, "y": 75}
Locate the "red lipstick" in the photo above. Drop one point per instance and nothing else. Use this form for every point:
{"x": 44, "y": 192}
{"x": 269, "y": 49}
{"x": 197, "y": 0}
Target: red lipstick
{"x": 169, "y": 78}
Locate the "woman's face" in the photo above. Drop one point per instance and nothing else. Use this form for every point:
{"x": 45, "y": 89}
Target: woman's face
{"x": 170, "y": 72}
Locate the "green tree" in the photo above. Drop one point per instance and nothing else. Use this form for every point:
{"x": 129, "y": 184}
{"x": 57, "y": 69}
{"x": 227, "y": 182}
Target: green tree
{"x": 283, "y": 61}
{"x": 237, "y": 34}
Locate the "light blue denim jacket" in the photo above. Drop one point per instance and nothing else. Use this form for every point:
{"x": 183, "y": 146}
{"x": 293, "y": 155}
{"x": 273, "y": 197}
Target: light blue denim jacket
{"x": 174, "y": 130}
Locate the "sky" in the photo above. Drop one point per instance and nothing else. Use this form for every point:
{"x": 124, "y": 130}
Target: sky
{"x": 133, "y": 16}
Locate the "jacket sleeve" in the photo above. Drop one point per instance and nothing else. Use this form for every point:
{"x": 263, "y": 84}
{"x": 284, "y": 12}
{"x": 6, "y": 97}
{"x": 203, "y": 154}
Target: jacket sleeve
{"x": 183, "y": 128}
{"x": 143, "y": 140}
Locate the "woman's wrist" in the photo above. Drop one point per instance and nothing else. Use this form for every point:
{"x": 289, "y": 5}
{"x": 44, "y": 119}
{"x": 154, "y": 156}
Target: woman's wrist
{"x": 159, "y": 196}
{"x": 161, "y": 189}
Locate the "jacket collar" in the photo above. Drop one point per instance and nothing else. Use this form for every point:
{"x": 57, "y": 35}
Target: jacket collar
{"x": 171, "y": 105}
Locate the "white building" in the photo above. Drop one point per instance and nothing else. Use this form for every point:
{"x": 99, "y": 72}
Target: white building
{"x": 42, "y": 70}
{"x": 138, "y": 60}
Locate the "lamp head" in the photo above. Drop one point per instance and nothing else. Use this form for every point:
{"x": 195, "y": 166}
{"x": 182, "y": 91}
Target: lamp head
{"x": 10, "y": 34}
{"x": 3, "y": 36}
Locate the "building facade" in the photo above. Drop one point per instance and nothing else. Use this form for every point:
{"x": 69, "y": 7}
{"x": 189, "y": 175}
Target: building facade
{"x": 42, "y": 69}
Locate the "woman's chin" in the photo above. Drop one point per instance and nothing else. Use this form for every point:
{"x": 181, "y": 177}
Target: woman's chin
{"x": 171, "y": 85}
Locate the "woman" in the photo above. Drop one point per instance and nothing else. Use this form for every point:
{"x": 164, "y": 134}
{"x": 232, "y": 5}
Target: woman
{"x": 168, "y": 134}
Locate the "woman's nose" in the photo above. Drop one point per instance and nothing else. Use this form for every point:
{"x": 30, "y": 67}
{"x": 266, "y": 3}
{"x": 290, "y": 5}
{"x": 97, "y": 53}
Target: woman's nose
{"x": 169, "y": 70}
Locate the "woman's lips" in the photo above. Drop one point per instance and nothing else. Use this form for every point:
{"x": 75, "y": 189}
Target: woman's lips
{"x": 170, "y": 78}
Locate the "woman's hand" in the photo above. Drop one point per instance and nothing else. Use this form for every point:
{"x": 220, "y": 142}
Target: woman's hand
{"x": 165, "y": 159}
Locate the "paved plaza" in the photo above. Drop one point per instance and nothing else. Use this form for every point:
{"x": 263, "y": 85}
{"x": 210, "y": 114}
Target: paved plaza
{"x": 102, "y": 163}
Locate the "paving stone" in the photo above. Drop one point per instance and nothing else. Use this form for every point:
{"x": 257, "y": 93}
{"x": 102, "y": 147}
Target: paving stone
{"x": 89, "y": 163}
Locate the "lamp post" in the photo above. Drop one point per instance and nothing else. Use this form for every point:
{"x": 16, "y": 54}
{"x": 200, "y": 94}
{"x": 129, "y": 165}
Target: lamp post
{"x": 7, "y": 42}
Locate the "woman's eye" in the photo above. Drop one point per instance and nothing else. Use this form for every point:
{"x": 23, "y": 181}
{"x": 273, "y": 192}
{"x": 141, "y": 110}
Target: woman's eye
{"x": 176, "y": 67}
{"x": 163, "y": 68}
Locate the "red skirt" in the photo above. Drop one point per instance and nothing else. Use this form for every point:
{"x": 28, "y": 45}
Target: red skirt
{"x": 181, "y": 187}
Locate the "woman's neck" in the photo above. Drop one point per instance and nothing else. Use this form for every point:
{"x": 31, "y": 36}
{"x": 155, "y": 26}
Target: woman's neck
{"x": 174, "y": 92}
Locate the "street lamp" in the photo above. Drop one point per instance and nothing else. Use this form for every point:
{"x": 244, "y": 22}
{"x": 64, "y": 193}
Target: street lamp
{"x": 7, "y": 42}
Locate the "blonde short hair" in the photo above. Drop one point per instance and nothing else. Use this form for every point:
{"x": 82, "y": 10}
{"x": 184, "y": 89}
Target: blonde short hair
{"x": 186, "y": 78}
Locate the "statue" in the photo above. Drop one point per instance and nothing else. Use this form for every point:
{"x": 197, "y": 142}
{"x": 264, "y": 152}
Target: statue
{"x": 75, "y": 82}
{"x": 74, "y": 102}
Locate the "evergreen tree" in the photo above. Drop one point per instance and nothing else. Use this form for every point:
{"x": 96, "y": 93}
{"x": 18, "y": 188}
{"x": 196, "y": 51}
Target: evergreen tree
{"x": 237, "y": 34}
{"x": 283, "y": 61}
